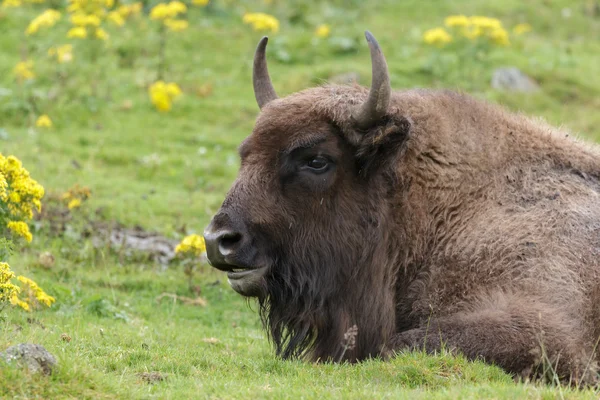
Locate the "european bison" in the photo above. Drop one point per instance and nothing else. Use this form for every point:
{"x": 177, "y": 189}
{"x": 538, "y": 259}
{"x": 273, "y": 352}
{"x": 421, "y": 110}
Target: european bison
{"x": 425, "y": 218}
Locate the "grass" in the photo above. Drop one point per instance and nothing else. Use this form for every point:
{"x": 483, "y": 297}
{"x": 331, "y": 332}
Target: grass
{"x": 107, "y": 304}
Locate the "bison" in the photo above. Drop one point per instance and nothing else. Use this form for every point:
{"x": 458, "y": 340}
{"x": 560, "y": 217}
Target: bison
{"x": 416, "y": 219}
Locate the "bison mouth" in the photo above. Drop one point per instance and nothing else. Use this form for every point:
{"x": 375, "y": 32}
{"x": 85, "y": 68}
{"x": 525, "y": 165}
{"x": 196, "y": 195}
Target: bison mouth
{"x": 247, "y": 281}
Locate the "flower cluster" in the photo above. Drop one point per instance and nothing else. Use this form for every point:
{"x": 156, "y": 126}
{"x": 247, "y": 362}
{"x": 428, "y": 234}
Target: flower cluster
{"x": 7, "y": 289}
{"x": 86, "y": 18}
{"x": 192, "y": 244}
{"x": 24, "y": 70}
{"x": 43, "y": 121}
{"x": 322, "y": 31}
{"x": 19, "y": 193}
{"x": 437, "y": 37}
{"x": 167, "y": 13}
{"x": 34, "y": 295}
{"x": 472, "y": 28}
{"x": 163, "y": 94}
{"x": 47, "y": 19}
{"x": 62, "y": 54}
{"x": 75, "y": 196}
{"x": 261, "y": 22}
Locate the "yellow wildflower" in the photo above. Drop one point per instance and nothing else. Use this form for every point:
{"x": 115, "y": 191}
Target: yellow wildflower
{"x": 101, "y": 34}
{"x": 24, "y": 70}
{"x": 3, "y": 186}
{"x": 163, "y": 94}
{"x": 521, "y": 29}
{"x": 47, "y": 19}
{"x": 201, "y": 3}
{"x": 63, "y": 54}
{"x": 485, "y": 22}
{"x": 14, "y": 197}
{"x": 15, "y": 301}
{"x": 193, "y": 244}
{"x": 74, "y": 203}
{"x": 457, "y": 21}
{"x": 116, "y": 18}
{"x": 20, "y": 228}
{"x": 35, "y": 292}
{"x": 43, "y": 121}
{"x": 499, "y": 36}
{"x": 85, "y": 20}
{"x": 11, "y": 3}
{"x": 437, "y": 37}
{"x": 163, "y": 11}
{"x": 322, "y": 31}
{"x": 176, "y": 25}
{"x": 7, "y": 289}
{"x": 77, "y": 33}
{"x": 127, "y": 10}
{"x": 261, "y": 22}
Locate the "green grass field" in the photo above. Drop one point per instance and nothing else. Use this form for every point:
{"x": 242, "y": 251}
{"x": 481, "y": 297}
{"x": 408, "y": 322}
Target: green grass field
{"x": 168, "y": 173}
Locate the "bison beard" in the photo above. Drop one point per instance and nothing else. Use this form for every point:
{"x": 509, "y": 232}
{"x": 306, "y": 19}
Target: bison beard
{"x": 427, "y": 219}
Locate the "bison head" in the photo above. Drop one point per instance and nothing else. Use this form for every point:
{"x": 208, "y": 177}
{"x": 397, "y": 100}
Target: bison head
{"x": 307, "y": 226}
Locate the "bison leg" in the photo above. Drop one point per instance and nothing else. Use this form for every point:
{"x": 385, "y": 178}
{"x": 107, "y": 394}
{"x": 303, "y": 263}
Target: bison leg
{"x": 525, "y": 338}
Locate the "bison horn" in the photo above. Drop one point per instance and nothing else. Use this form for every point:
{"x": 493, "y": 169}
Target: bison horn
{"x": 263, "y": 89}
{"x": 376, "y": 106}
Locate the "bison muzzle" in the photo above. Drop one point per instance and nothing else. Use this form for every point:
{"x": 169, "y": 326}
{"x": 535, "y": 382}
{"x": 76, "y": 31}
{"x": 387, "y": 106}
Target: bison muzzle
{"x": 423, "y": 218}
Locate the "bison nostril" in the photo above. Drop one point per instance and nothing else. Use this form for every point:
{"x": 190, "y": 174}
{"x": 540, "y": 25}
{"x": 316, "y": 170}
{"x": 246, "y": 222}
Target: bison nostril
{"x": 228, "y": 241}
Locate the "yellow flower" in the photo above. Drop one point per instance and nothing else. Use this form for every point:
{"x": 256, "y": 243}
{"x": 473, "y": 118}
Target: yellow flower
{"x": 43, "y": 121}
{"x": 200, "y": 2}
{"x": 63, "y": 54}
{"x": 34, "y": 292}
{"x": 77, "y": 33}
{"x": 46, "y": 19}
{"x": 14, "y": 197}
{"x": 176, "y": 25}
{"x": 127, "y": 10}
{"x": 24, "y": 70}
{"x": 164, "y": 11}
{"x": 193, "y": 244}
{"x": 499, "y": 36}
{"x": 7, "y": 289}
{"x": 116, "y": 18}
{"x": 437, "y": 37}
{"x": 472, "y": 32}
{"x": 485, "y": 22}
{"x": 457, "y": 21}
{"x": 15, "y": 301}
{"x": 11, "y": 3}
{"x": 322, "y": 31}
{"x": 521, "y": 29}
{"x": 74, "y": 203}
{"x": 20, "y": 228}
{"x": 261, "y": 22}
{"x": 101, "y": 34}
{"x": 3, "y": 186}
{"x": 85, "y": 20}
{"x": 163, "y": 94}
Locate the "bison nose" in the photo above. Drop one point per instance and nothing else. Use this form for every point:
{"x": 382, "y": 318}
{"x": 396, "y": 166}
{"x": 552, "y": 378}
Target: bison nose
{"x": 222, "y": 247}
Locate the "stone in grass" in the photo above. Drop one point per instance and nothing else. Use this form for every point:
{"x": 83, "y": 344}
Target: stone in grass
{"x": 33, "y": 356}
{"x": 513, "y": 79}
{"x": 152, "y": 377}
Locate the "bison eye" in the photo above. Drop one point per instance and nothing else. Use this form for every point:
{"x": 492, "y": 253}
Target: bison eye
{"x": 318, "y": 164}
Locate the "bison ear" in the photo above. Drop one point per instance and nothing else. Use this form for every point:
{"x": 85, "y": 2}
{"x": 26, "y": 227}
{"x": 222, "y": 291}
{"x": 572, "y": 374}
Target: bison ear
{"x": 381, "y": 147}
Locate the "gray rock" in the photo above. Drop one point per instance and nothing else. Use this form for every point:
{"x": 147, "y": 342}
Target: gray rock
{"x": 513, "y": 79}
{"x": 33, "y": 356}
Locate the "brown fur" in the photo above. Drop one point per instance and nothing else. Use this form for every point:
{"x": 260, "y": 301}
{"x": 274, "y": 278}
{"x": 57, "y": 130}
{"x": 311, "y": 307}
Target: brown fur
{"x": 452, "y": 222}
